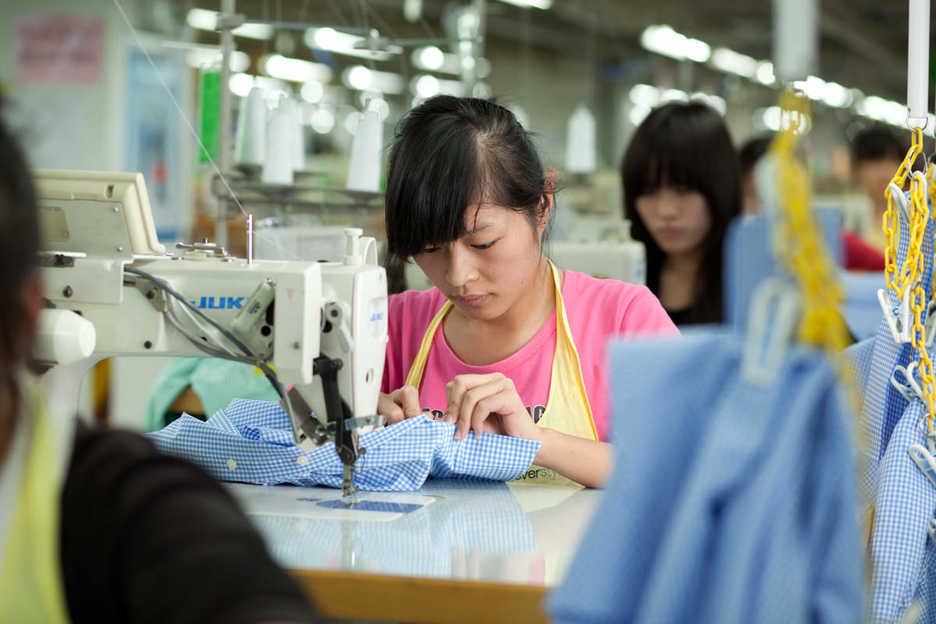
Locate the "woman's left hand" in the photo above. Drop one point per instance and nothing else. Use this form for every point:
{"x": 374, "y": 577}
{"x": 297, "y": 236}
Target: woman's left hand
{"x": 487, "y": 404}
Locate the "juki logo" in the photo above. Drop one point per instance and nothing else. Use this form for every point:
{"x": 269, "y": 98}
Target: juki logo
{"x": 219, "y": 303}
{"x": 376, "y": 316}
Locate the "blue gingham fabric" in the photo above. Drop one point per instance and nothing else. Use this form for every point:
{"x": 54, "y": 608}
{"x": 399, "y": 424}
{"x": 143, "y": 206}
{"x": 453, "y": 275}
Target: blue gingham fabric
{"x": 251, "y": 442}
{"x": 904, "y": 500}
{"x": 734, "y": 503}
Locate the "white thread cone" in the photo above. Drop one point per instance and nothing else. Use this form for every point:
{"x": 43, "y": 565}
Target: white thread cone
{"x": 364, "y": 168}
{"x": 279, "y": 163}
{"x": 249, "y": 143}
{"x": 298, "y": 143}
{"x": 580, "y": 141}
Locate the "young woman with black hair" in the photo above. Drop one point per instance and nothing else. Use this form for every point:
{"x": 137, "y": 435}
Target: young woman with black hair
{"x": 505, "y": 342}
{"x": 682, "y": 187}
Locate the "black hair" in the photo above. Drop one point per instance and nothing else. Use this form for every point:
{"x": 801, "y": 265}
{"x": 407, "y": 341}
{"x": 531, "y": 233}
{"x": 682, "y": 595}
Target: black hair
{"x": 450, "y": 153}
{"x": 752, "y": 151}
{"x": 876, "y": 143}
{"x": 19, "y": 245}
{"x": 685, "y": 145}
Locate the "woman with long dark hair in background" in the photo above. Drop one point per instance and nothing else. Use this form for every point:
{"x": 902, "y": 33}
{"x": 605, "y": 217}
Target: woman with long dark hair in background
{"x": 682, "y": 187}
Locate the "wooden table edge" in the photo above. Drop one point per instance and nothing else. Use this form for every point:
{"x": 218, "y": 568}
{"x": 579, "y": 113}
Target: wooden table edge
{"x": 354, "y": 595}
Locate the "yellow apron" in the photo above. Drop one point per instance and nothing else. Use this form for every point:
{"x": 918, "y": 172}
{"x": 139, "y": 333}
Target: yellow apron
{"x": 567, "y": 408}
{"x": 31, "y": 585}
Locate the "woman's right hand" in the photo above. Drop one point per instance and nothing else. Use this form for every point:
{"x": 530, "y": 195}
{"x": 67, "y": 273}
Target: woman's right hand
{"x": 399, "y": 405}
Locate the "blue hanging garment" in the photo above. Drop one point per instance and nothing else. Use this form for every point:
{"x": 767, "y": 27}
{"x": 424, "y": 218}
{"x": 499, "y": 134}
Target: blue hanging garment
{"x": 251, "y": 442}
{"x": 903, "y": 497}
{"x": 731, "y": 502}
{"x": 733, "y": 498}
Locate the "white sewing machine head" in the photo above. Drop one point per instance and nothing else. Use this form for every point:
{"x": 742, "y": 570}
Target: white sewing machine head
{"x": 114, "y": 290}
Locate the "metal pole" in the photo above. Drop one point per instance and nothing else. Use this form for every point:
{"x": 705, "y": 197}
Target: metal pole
{"x": 224, "y": 146}
{"x": 918, "y": 63}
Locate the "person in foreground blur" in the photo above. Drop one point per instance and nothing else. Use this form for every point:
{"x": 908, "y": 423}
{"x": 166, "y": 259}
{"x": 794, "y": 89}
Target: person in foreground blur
{"x": 682, "y": 187}
{"x": 95, "y": 525}
{"x": 506, "y": 342}
{"x": 876, "y": 154}
{"x": 857, "y": 254}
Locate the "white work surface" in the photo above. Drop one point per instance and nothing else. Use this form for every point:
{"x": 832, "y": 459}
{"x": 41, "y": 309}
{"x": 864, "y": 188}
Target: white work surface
{"x": 503, "y": 544}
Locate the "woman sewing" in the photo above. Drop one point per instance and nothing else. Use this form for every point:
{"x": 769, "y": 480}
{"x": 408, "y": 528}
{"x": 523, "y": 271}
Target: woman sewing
{"x": 506, "y": 342}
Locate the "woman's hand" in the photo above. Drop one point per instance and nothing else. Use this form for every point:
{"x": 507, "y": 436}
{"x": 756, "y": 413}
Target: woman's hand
{"x": 487, "y": 404}
{"x": 399, "y": 405}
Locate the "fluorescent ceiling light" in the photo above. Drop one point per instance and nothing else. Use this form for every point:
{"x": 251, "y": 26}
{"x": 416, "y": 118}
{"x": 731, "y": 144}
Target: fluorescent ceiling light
{"x": 734, "y": 62}
{"x": 662, "y": 39}
{"x": 203, "y": 19}
{"x": 241, "y": 84}
{"x": 714, "y": 101}
{"x": 295, "y": 70}
{"x": 331, "y": 40}
{"x": 638, "y": 113}
{"x": 322, "y": 121}
{"x": 644, "y": 95}
{"x": 765, "y": 73}
{"x": 429, "y": 57}
{"x": 527, "y": 4}
{"x": 365, "y": 79}
{"x": 425, "y": 86}
{"x": 673, "y": 95}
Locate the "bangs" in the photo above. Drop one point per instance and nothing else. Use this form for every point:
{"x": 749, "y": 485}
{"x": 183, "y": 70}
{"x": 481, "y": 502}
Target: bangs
{"x": 426, "y": 202}
{"x": 666, "y": 161}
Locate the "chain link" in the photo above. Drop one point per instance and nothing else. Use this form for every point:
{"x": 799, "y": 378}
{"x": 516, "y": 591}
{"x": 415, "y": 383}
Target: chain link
{"x": 891, "y": 224}
{"x": 801, "y": 248}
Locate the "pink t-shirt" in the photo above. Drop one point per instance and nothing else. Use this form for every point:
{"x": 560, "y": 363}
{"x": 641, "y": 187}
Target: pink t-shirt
{"x": 597, "y": 310}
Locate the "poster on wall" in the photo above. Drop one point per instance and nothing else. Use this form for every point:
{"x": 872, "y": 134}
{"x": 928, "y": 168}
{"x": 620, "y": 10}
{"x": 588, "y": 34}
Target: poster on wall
{"x": 154, "y": 142}
{"x": 59, "y": 49}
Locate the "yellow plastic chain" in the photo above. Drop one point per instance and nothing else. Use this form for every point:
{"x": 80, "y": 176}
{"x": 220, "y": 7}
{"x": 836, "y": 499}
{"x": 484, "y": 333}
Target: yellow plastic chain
{"x": 920, "y": 215}
{"x": 891, "y": 229}
{"x": 911, "y": 272}
{"x": 801, "y": 248}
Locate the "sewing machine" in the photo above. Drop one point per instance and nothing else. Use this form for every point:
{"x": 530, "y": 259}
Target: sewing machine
{"x": 318, "y": 331}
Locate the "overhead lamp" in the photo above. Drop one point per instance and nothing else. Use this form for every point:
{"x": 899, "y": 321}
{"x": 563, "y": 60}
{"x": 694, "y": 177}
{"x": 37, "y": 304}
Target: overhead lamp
{"x": 765, "y": 73}
{"x": 733, "y": 62}
{"x": 365, "y": 79}
{"x": 531, "y": 4}
{"x": 203, "y": 19}
{"x": 241, "y": 84}
{"x": 638, "y": 113}
{"x": 644, "y": 95}
{"x": 425, "y": 86}
{"x": 662, "y": 39}
{"x": 322, "y": 121}
{"x": 332, "y": 40}
{"x": 713, "y": 101}
{"x": 429, "y": 57}
{"x": 673, "y": 95}
{"x": 295, "y": 70}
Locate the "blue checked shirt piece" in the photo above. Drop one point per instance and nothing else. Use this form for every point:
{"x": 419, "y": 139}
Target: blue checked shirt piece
{"x": 902, "y": 554}
{"x": 731, "y": 502}
{"x": 251, "y": 442}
